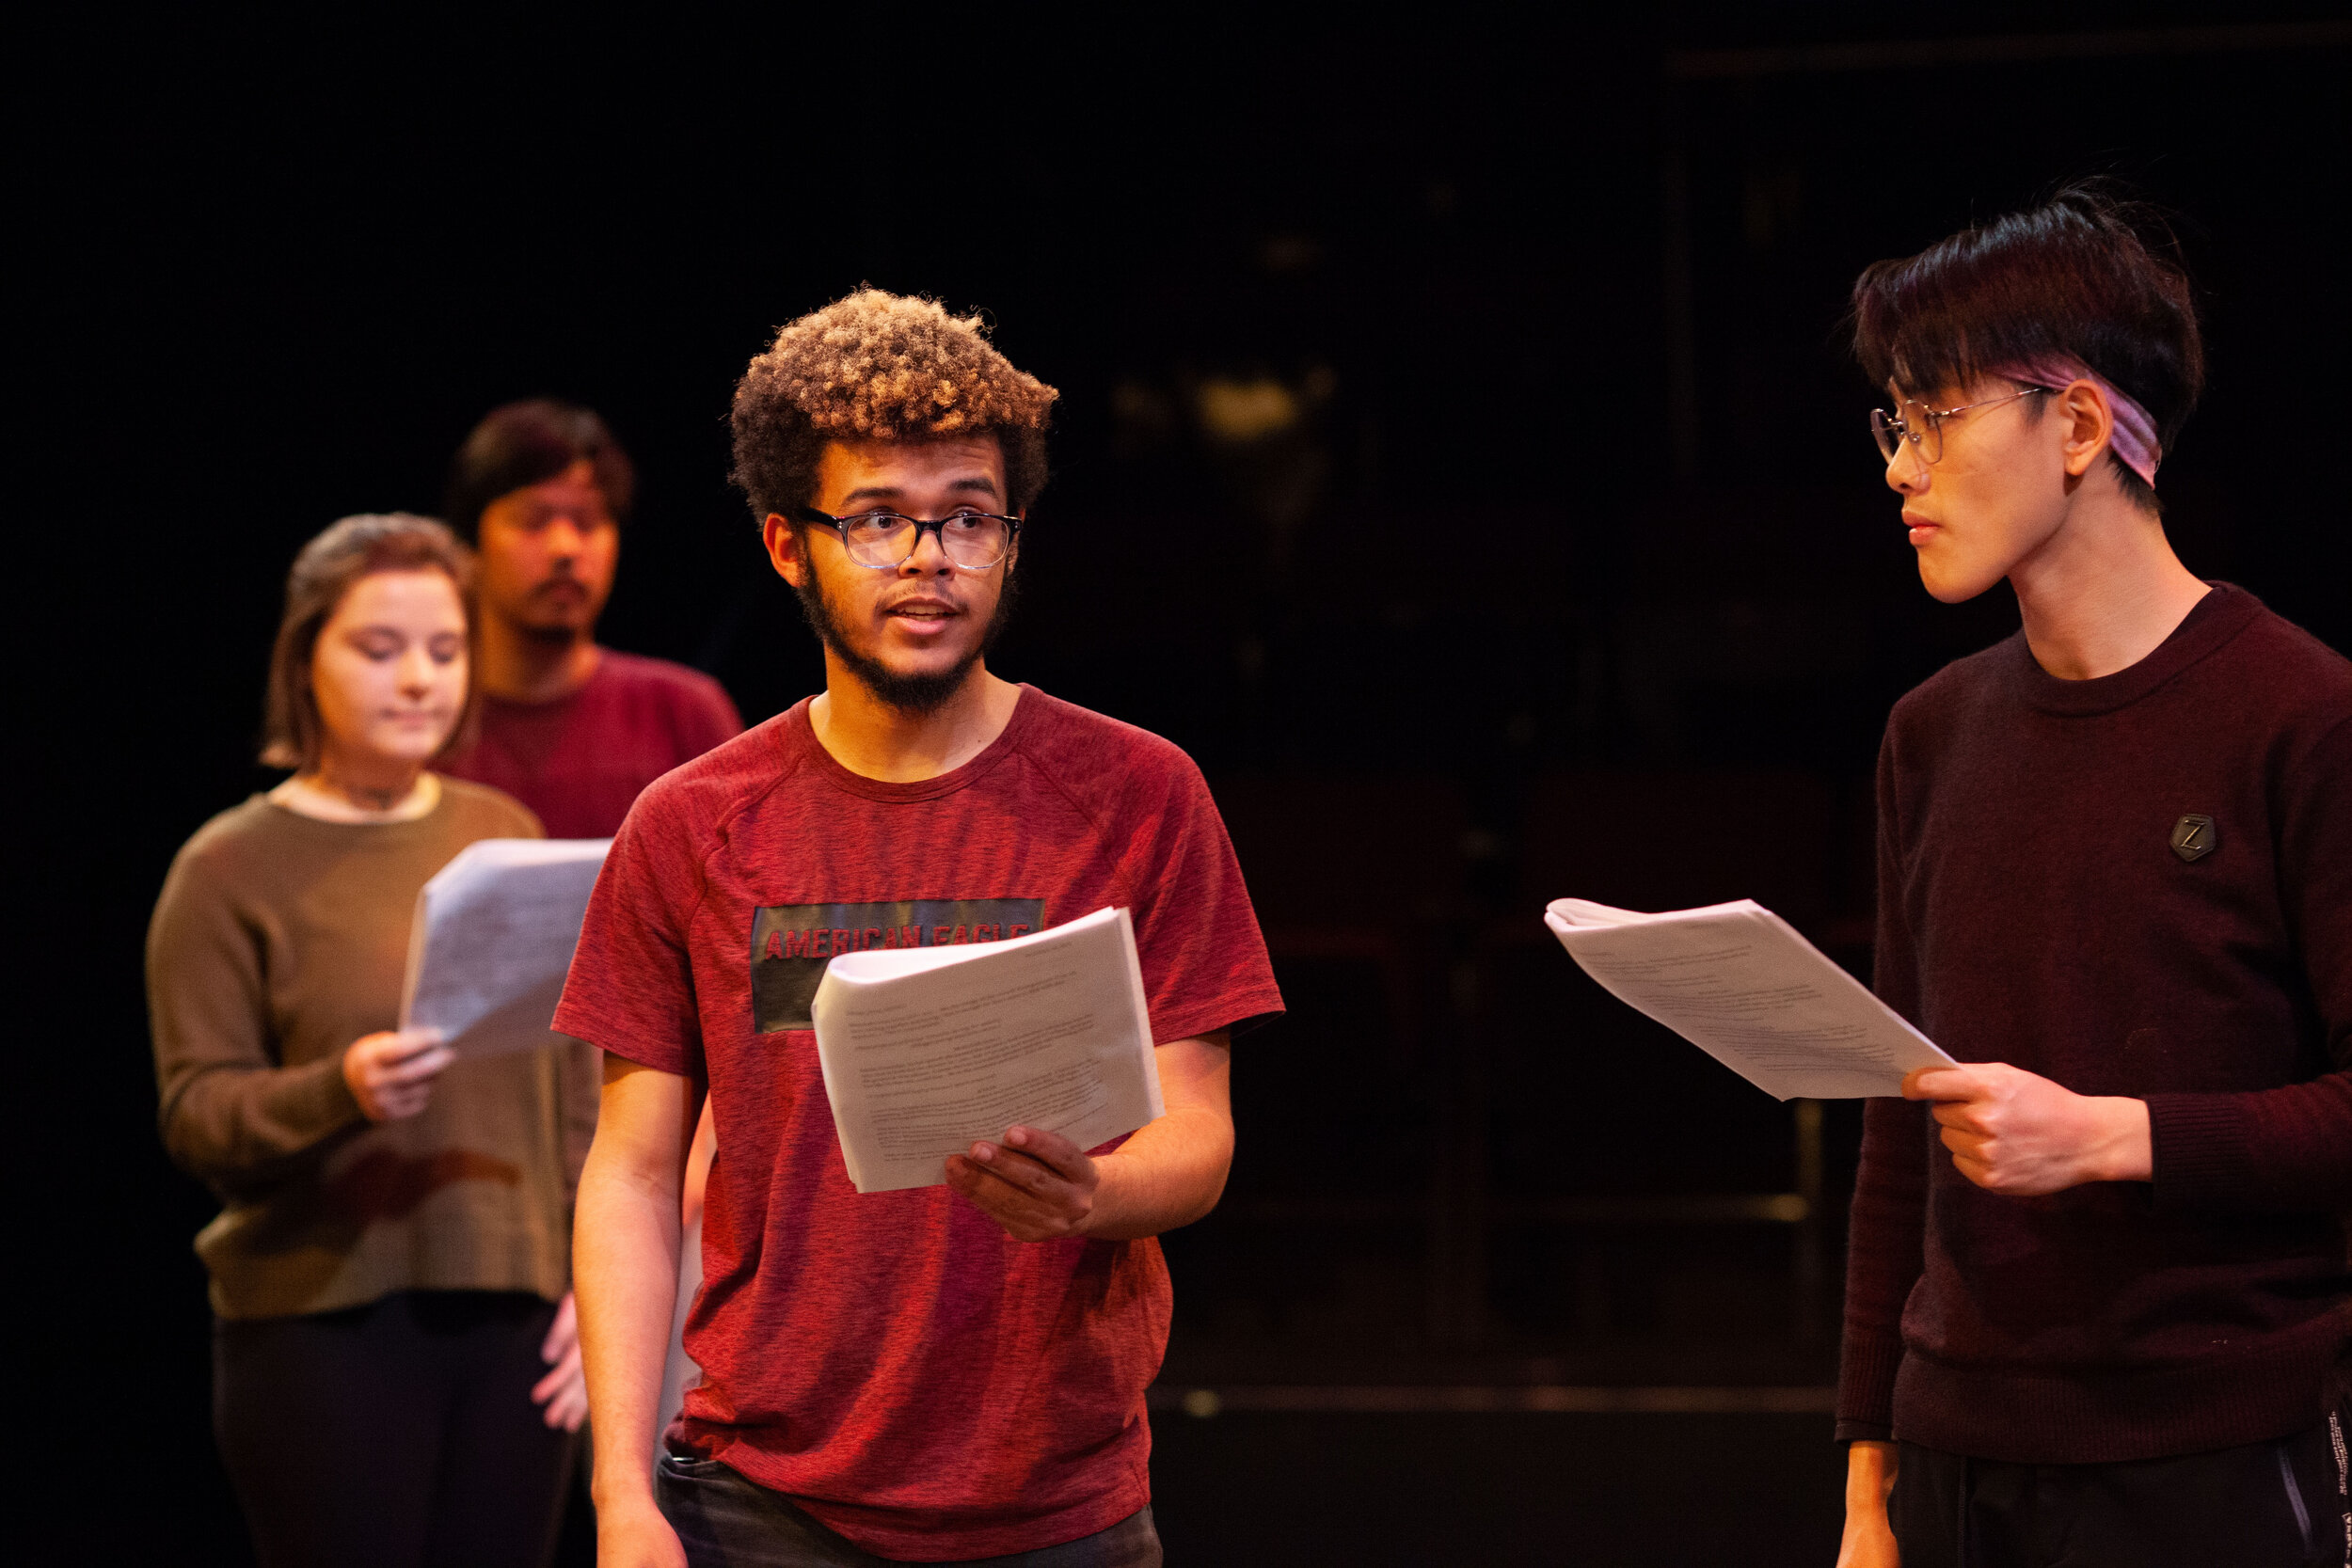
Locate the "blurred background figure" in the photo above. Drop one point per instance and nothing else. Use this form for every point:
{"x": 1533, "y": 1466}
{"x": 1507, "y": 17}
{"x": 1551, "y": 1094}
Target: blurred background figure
{"x": 395, "y": 1239}
{"x": 572, "y": 729}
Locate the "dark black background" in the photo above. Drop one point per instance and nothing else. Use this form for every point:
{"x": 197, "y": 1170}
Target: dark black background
{"x": 275, "y": 266}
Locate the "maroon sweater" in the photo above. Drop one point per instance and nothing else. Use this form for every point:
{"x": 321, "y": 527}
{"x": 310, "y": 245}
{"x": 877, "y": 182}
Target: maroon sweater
{"x": 2033, "y": 909}
{"x": 578, "y": 762}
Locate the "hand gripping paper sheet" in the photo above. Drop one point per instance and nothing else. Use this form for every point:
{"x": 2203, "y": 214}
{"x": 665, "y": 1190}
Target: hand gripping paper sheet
{"x": 927, "y": 1050}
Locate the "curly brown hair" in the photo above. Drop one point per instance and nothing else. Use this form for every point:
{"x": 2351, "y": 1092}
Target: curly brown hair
{"x": 882, "y": 367}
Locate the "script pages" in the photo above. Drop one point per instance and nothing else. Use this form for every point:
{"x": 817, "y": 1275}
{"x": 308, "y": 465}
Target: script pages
{"x": 927, "y": 1050}
{"x": 1736, "y": 981}
{"x": 493, "y": 936}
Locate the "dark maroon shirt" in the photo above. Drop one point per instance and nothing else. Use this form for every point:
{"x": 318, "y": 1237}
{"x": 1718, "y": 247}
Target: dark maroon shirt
{"x": 580, "y": 761}
{"x": 2034, "y": 910}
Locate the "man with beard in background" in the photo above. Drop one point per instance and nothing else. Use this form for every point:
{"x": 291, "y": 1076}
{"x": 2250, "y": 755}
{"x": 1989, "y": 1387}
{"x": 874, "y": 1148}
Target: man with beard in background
{"x": 569, "y": 727}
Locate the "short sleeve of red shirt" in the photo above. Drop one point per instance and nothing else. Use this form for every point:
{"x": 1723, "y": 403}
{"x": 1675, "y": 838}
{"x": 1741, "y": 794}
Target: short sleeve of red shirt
{"x": 1204, "y": 961}
{"x": 907, "y": 1315}
{"x": 632, "y": 957}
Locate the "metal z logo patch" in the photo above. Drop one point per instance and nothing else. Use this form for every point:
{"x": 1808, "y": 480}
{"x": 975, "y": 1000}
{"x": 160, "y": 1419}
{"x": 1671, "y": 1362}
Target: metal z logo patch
{"x": 791, "y": 944}
{"x": 2195, "y": 836}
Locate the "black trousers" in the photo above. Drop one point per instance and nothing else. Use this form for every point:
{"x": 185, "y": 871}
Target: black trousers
{"x": 725, "y": 1521}
{"x": 399, "y": 1435}
{"x": 2266, "y": 1505}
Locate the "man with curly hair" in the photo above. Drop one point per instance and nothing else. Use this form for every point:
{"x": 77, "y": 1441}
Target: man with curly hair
{"x": 944, "y": 1374}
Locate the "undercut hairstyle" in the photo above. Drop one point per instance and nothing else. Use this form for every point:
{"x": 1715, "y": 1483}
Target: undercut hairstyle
{"x": 882, "y": 367}
{"x": 324, "y": 572}
{"x": 2086, "y": 276}
{"x": 521, "y": 444}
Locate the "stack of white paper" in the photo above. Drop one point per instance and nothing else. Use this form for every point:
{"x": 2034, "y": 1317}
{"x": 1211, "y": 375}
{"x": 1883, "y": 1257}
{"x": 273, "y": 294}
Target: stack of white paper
{"x": 1736, "y": 981}
{"x": 493, "y": 936}
{"x": 927, "y": 1050}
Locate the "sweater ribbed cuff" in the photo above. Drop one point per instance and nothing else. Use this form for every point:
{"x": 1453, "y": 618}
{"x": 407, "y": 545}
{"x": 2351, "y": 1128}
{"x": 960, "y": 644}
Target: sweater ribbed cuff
{"x": 1866, "y": 1384}
{"x": 335, "y": 1103}
{"x": 313, "y": 1101}
{"x": 2197, "y": 1148}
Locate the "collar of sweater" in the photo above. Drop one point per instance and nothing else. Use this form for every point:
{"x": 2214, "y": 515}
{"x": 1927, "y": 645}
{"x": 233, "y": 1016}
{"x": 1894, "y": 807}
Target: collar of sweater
{"x": 2217, "y": 618}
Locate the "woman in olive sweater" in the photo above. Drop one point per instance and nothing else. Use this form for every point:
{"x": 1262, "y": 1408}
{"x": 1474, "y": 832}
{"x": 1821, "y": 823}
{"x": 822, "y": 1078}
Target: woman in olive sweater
{"x": 390, "y": 1277}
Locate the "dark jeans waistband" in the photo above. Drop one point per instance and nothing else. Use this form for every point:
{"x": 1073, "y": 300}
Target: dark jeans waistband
{"x": 724, "y": 1521}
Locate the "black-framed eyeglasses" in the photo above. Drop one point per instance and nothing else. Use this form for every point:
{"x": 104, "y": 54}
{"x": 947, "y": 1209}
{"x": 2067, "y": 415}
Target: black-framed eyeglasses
{"x": 972, "y": 541}
{"x": 1923, "y": 427}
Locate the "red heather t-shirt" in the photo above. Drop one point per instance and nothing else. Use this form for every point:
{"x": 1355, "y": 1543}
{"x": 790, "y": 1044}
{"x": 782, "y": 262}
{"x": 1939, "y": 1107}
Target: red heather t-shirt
{"x": 578, "y": 762}
{"x": 894, "y": 1362}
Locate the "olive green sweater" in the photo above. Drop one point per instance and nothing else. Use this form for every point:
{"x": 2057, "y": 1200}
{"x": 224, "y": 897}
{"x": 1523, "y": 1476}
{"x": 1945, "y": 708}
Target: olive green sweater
{"x": 279, "y": 941}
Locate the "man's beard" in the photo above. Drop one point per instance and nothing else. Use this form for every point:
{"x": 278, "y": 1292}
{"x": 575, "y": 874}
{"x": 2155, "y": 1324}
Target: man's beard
{"x": 917, "y": 694}
{"x": 542, "y": 619}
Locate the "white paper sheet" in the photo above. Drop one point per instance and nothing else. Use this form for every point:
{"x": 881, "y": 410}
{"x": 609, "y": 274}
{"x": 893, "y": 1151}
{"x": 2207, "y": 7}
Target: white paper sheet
{"x": 926, "y": 1050}
{"x": 1736, "y": 981}
{"x": 494, "y": 934}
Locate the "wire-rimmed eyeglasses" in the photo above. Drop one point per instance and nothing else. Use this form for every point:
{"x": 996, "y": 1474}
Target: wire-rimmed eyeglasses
{"x": 972, "y": 541}
{"x": 1923, "y": 427}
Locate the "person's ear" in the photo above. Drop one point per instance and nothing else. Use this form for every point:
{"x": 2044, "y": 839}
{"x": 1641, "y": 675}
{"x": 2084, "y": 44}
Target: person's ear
{"x": 2087, "y": 425}
{"x": 1012, "y": 553}
{"x": 784, "y": 550}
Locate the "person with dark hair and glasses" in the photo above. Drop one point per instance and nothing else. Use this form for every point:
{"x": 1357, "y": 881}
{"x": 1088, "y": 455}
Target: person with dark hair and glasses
{"x": 2098, "y": 1307}
{"x": 941, "y": 1374}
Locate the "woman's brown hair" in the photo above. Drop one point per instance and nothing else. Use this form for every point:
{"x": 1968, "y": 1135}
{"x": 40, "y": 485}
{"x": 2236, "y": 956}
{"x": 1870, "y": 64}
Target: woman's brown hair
{"x": 348, "y": 551}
